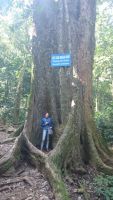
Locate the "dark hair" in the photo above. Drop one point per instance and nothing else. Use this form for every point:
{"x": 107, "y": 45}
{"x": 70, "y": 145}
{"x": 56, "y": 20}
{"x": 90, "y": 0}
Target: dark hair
{"x": 45, "y": 113}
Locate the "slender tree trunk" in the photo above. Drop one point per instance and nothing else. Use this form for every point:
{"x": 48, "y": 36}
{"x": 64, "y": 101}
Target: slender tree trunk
{"x": 97, "y": 96}
{"x": 112, "y": 89}
{"x": 6, "y": 88}
{"x": 18, "y": 96}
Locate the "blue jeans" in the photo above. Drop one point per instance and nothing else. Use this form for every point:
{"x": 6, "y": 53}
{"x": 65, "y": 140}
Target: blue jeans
{"x": 44, "y": 135}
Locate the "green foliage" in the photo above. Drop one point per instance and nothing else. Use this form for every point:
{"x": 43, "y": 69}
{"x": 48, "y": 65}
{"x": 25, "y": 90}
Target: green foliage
{"x": 104, "y": 186}
{"x": 105, "y": 123}
{"x": 103, "y": 69}
{"x": 15, "y": 55}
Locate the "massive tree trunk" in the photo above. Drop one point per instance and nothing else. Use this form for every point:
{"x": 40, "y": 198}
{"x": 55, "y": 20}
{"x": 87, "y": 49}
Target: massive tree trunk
{"x": 62, "y": 26}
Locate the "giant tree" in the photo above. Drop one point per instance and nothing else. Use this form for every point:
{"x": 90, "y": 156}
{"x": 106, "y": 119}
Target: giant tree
{"x": 62, "y": 26}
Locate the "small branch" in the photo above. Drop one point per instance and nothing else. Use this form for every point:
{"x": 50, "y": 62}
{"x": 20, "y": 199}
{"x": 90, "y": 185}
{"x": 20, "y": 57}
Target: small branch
{"x": 9, "y": 140}
{"x": 17, "y": 180}
{"x": 4, "y": 188}
{"x": 5, "y": 185}
{"x": 27, "y": 180}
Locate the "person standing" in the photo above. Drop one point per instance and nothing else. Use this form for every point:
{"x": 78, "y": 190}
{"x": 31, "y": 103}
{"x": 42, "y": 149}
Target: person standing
{"x": 47, "y": 126}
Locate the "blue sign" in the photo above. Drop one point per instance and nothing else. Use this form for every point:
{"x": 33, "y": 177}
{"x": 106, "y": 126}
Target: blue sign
{"x": 60, "y": 60}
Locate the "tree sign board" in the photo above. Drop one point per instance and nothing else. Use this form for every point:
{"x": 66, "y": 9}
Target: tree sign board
{"x": 60, "y": 60}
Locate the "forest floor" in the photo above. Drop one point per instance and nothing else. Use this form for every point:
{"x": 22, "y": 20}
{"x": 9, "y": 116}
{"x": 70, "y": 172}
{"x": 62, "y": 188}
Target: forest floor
{"x": 81, "y": 187}
{"x": 27, "y": 183}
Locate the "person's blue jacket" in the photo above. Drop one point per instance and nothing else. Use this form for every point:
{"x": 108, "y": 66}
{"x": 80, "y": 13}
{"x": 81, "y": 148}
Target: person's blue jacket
{"x": 46, "y": 123}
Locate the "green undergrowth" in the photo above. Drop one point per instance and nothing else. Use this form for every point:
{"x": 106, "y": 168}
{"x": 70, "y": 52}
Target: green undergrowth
{"x": 104, "y": 186}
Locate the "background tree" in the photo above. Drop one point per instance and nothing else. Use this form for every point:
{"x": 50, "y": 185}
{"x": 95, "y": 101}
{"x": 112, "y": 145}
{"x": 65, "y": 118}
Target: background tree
{"x": 15, "y": 55}
{"x": 103, "y": 70}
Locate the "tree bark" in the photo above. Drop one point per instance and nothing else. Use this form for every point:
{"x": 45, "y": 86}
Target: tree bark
{"x": 79, "y": 143}
{"x": 81, "y": 127}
